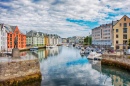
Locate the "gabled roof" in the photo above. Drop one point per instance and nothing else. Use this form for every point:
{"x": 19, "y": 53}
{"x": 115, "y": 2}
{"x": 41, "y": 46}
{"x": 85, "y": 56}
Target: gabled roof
{"x": 115, "y": 22}
{"x": 13, "y": 28}
{"x": 31, "y": 33}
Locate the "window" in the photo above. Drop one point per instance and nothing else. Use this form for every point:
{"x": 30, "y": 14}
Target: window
{"x": 120, "y": 24}
{"x": 124, "y": 41}
{"x": 17, "y": 32}
{"x": 117, "y": 47}
{"x": 116, "y": 36}
{"x": 125, "y": 36}
{"x": 124, "y": 30}
{"x": 116, "y": 42}
{"x": 116, "y": 30}
{"x": 125, "y": 24}
{"x": 124, "y": 19}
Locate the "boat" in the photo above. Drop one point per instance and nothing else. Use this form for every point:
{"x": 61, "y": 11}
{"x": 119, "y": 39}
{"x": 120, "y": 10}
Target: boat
{"x": 34, "y": 48}
{"x": 94, "y": 56}
{"x": 50, "y": 46}
{"x": 89, "y": 50}
{"x": 82, "y": 52}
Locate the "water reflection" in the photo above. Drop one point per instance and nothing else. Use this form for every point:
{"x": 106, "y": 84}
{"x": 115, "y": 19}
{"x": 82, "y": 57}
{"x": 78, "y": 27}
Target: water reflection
{"x": 119, "y": 77}
{"x": 65, "y": 66}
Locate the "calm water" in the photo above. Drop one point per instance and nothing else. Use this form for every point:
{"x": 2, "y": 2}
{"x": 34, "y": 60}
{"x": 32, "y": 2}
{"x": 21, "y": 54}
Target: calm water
{"x": 64, "y": 66}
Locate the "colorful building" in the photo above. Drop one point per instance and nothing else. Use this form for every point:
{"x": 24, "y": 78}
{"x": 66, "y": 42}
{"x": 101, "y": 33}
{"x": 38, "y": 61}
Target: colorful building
{"x": 121, "y": 33}
{"x": 12, "y": 34}
{"x": 46, "y": 39}
{"x": 3, "y": 37}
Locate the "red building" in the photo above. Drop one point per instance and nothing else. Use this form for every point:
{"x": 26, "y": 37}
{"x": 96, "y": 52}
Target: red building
{"x": 15, "y": 32}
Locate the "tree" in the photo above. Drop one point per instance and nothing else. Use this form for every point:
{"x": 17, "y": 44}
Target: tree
{"x": 88, "y": 40}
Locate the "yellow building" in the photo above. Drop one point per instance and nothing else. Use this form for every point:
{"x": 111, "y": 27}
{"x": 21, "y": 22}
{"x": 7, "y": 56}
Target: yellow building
{"x": 121, "y": 33}
{"x": 46, "y": 40}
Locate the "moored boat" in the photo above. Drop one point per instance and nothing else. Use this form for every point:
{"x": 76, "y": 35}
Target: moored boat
{"x": 34, "y": 48}
{"x": 94, "y": 56}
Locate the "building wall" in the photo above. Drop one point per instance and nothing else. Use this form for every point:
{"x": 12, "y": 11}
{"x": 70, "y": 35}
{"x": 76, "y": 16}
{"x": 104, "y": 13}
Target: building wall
{"x": 118, "y": 41}
{"x": 102, "y": 35}
{"x": 3, "y": 37}
{"x": 11, "y": 37}
{"x": 46, "y": 40}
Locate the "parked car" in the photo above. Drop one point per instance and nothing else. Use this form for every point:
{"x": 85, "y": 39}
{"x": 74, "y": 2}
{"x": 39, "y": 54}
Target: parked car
{"x": 127, "y": 52}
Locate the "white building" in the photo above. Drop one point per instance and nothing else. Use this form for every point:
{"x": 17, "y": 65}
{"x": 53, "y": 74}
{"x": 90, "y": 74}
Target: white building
{"x": 3, "y": 37}
{"x": 102, "y": 35}
{"x": 34, "y": 38}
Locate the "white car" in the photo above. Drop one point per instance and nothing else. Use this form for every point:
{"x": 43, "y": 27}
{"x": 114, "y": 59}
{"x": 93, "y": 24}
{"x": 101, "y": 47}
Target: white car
{"x": 127, "y": 52}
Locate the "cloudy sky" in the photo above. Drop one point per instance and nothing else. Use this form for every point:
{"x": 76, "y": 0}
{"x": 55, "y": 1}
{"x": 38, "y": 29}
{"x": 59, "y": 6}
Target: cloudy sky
{"x": 63, "y": 17}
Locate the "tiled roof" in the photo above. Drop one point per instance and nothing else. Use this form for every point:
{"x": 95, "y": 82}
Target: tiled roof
{"x": 114, "y": 22}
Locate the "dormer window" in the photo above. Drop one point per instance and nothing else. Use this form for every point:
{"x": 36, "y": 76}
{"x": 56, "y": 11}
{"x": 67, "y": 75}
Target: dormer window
{"x": 124, "y": 19}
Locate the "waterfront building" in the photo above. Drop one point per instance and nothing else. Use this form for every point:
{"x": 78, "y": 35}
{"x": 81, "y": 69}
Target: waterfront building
{"x": 46, "y": 39}
{"x": 41, "y": 39}
{"x": 51, "y": 38}
{"x": 3, "y": 37}
{"x": 35, "y": 38}
{"x": 102, "y": 35}
{"x": 75, "y": 39}
{"x": 121, "y": 34}
{"x": 13, "y": 33}
{"x": 64, "y": 40}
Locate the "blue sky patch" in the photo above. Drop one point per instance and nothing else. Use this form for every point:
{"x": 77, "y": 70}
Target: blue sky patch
{"x": 90, "y": 24}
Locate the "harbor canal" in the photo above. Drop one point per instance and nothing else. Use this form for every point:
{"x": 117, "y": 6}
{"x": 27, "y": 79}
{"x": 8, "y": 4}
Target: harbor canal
{"x": 64, "y": 66}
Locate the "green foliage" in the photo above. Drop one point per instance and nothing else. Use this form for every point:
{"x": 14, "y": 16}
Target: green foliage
{"x": 88, "y": 40}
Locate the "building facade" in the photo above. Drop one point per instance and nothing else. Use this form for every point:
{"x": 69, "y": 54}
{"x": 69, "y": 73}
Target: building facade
{"x": 46, "y": 38}
{"x": 121, "y": 33}
{"x": 3, "y": 37}
{"x": 102, "y": 35}
{"x": 41, "y": 39}
{"x": 13, "y": 33}
{"x": 35, "y": 38}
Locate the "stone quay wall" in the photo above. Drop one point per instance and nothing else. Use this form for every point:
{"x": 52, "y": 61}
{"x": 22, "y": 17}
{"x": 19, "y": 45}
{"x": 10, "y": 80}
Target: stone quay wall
{"x": 117, "y": 61}
{"x": 14, "y": 70}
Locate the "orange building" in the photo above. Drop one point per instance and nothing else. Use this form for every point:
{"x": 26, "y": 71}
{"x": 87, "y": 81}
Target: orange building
{"x": 15, "y": 32}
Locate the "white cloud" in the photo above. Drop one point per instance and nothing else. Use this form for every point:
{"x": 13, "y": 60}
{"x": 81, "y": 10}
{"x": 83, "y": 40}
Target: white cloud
{"x": 50, "y": 15}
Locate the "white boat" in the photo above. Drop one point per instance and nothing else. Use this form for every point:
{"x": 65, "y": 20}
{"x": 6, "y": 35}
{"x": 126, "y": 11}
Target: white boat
{"x": 89, "y": 50}
{"x": 50, "y": 46}
{"x": 82, "y": 51}
{"x": 94, "y": 56}
{"x": 34, "y": 48}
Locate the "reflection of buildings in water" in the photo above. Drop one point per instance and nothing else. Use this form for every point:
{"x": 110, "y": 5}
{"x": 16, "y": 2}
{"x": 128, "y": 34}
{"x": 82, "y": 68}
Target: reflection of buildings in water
{"x": 41, "y": 54}
{"x": 116, "y": 80}
{"x": 60, "y": 49}
{"x": 46, "y": 53}
{"x": 119, "y": 77}
{"x": 96, "y": 65}
{"x": 53, "y": 51}
{"x": 23, "y": 53}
